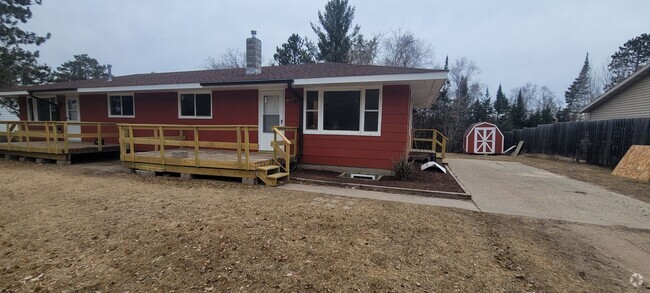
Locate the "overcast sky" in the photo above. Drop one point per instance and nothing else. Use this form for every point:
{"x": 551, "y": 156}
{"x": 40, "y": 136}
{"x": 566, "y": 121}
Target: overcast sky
{"x": 512, "y": 42}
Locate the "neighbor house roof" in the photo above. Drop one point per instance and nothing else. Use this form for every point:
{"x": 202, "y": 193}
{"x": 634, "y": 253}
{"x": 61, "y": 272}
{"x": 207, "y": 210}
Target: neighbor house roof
{"x": 625, "y": 84}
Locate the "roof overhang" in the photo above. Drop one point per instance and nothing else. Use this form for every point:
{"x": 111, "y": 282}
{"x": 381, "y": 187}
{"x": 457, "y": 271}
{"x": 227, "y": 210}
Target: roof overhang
{"x": 623, "y": 85}
{"x": 134, "y": 88}
{"x": 424, "y": 86}
{"x": 13, "y": 94}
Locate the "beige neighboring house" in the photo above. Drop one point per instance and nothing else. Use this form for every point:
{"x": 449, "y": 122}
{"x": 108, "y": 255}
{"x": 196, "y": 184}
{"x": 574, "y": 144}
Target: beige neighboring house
{"x": 628, "y": 99}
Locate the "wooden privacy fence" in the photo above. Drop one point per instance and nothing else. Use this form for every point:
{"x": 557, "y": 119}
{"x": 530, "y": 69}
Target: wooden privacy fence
{"x": 53, "y": 137}
{"x": 602, "y": 142}
{"x": 429, "y": 140}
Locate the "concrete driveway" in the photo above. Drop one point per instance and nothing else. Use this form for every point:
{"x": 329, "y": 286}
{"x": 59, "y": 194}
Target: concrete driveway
{"x": 517, "y": 189}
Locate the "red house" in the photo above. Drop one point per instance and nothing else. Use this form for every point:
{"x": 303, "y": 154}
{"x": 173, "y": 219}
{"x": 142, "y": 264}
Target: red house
{"x": 348, "y": 116}
{"x": 483, "y": 138}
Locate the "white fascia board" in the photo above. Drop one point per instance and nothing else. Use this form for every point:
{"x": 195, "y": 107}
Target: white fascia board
{"x": 14, "y": 93}
{"x": 156, "y": 87}
{"x": 371, "y": 78}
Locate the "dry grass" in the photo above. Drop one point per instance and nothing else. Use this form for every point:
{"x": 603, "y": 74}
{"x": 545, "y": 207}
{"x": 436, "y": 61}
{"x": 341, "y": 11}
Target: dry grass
{"x": 86, "y": 230}
{"x": 580, "y": 171}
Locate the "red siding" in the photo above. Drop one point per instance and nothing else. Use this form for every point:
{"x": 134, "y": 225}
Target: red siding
{"x": 366, "y": 151}
{"x": 228, "y": 108}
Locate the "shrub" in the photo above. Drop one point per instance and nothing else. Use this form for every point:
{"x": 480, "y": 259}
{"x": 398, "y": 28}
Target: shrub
{"x": 402, "y": 168}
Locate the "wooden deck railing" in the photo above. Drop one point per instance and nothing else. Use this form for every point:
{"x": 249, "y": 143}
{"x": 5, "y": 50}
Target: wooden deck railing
{"x": 158, "y": 138}
{"x": 23, "y": 135}
{"x": 430, "y": 140}
{"x": 282, "y": 148}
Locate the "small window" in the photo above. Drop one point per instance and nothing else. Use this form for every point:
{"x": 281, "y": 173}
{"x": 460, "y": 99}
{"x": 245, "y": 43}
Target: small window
{"x": 195, "y": 105}
{"x": 371, "y": 112}
{"x": 121, "y": 106}
{"x": 312, "y": 110}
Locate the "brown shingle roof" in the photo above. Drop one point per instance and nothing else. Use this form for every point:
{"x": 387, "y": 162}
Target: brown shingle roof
{"x": 286, "y": 72}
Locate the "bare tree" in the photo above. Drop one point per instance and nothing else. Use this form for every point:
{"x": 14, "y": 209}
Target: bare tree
{"x": 231, "y": 58}
{"x": 462, "y": 68}
{"x": 600, "y": 79}
{"x": 403, "y": 49}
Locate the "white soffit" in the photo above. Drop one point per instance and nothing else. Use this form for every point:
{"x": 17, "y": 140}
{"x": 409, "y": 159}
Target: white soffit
{"x": 156, "y": 87}
{"x": 370, "y": 78}
{"x": 14, "y": 93}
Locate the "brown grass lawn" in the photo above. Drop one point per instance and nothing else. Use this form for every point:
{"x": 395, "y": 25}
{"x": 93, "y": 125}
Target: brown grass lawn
{"x": 80, "y": 229}
{"x": 580, "y": 171}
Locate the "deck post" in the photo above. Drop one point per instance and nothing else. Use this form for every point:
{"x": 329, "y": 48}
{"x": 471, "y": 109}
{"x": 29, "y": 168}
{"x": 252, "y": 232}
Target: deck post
{"x": 162, "y": 144}
{"x": 131, "y": 143}
{"x": 239, "y": 146}
{"x": 434, "y": 142}
{"x": 56, "y": 140}
{"x": 99, "y": 136}
{"x": 66, "y": 149}
{"x": 29, "y": 146}
{"x": 47, "y": 136}
{"x": 9, "y": 134}
{"x": 120, "y": 140}
{"x": 247, "y": 146}
{"x": 196, "y": 146}
{"x": 155, "y": 135}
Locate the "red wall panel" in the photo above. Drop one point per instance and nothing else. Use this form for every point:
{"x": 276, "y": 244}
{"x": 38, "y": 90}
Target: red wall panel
{"x": 366, "y": 151}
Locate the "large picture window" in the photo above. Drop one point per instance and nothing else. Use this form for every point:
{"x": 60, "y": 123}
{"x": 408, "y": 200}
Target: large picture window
{"x": 121, "y": 106}
{"x": 41, "y": 110}
{"x": 344, "y": 111}
{"x": 193, "y": 105}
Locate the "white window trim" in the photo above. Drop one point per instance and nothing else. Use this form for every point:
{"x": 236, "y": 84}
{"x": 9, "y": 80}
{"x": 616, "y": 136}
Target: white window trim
{"x": 362, "y": 111}
{"x": 33, "y": 106}
{"x": 108, "y": 103}
{"x": 194, "y": 93}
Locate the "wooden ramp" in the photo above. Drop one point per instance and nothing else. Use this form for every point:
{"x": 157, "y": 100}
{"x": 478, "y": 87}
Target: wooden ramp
{"x": 225, "y": 151}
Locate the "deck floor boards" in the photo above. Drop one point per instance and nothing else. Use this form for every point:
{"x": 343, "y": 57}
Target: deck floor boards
{"x": 208, "y": 157}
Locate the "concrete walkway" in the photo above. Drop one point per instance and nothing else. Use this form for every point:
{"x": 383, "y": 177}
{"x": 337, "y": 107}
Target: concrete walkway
{"x": 415, "y": 199}
{"x": 517, "y": 189}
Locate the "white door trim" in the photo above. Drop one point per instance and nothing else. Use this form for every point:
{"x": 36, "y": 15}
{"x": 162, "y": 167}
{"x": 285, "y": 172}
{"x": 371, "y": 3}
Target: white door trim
{"x": 487, "y": 138}
{"x": 264, "y": 139}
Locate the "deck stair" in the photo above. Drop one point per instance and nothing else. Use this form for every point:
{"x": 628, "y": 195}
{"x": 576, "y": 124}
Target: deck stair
{"x": 271, "y": 175}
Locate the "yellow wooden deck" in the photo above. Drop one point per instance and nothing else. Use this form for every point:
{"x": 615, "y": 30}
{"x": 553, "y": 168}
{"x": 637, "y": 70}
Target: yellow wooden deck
{"x": 58, "y": 147}
{"x": 208, "y": 158}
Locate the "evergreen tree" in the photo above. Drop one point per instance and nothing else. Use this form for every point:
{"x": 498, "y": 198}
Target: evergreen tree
{"x": 19, "y": 66}
{"x": 577, "y": 96}
{"x": 482, "y": 109}
{"x": 546, "y": 116}
{"x": 296, "y": 50}
{"x": 81, "y": 68}
{"x": 629, "y": 58}
{"x": 334, "y": 42}
{"x": 501, "y": 109}
{"x": 518, "y": 112}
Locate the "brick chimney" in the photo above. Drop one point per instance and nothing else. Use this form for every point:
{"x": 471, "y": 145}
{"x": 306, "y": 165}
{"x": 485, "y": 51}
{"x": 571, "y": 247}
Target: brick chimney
{"x": 253, "y": 55}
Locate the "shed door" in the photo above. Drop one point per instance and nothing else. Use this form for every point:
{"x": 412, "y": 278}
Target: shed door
{"x": 484, "y": 140}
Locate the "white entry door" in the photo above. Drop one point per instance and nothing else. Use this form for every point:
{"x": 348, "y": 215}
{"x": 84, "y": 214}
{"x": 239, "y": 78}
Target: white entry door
{"x": 484, "y": 140}
{"x": 72, "y": 114}
{"x": 271, "y": 113}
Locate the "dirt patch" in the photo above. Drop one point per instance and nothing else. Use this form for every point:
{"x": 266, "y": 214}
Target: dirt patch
{"x": 426, "y": 180}
{"x": 69, "y": 228}
{"x": 579, "y": 171}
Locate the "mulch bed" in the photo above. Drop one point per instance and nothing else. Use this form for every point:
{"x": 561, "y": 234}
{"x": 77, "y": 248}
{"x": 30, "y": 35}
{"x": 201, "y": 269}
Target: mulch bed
{"x": 425, "y": 180}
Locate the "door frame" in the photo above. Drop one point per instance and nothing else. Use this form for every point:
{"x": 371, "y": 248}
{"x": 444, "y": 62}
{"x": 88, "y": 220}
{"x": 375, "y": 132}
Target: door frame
{"x": 67, "y": 116}
{"x": 487, "y": 131}
{"x": 260, "y": 115}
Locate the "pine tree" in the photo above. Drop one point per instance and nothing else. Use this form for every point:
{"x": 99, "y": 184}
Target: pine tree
{"x": 19, "y": 66}
{"x": 629, "y": 58}
{"x": 501, "y": 109}
{"x": 81, "y": 68}
{"x": 296, "y": 50}
{"x": 334, "y": 42}
{"x": 577, "y": 96}
{"x": 518, "y": 112}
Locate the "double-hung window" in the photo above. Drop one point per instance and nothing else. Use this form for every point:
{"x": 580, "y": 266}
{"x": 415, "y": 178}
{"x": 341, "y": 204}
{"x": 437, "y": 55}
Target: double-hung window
{"x": 343, "y": 111}
{"x": 121, "y": 105}
{"x": 195, "y": 105}
{"x": 42, "y": 109}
